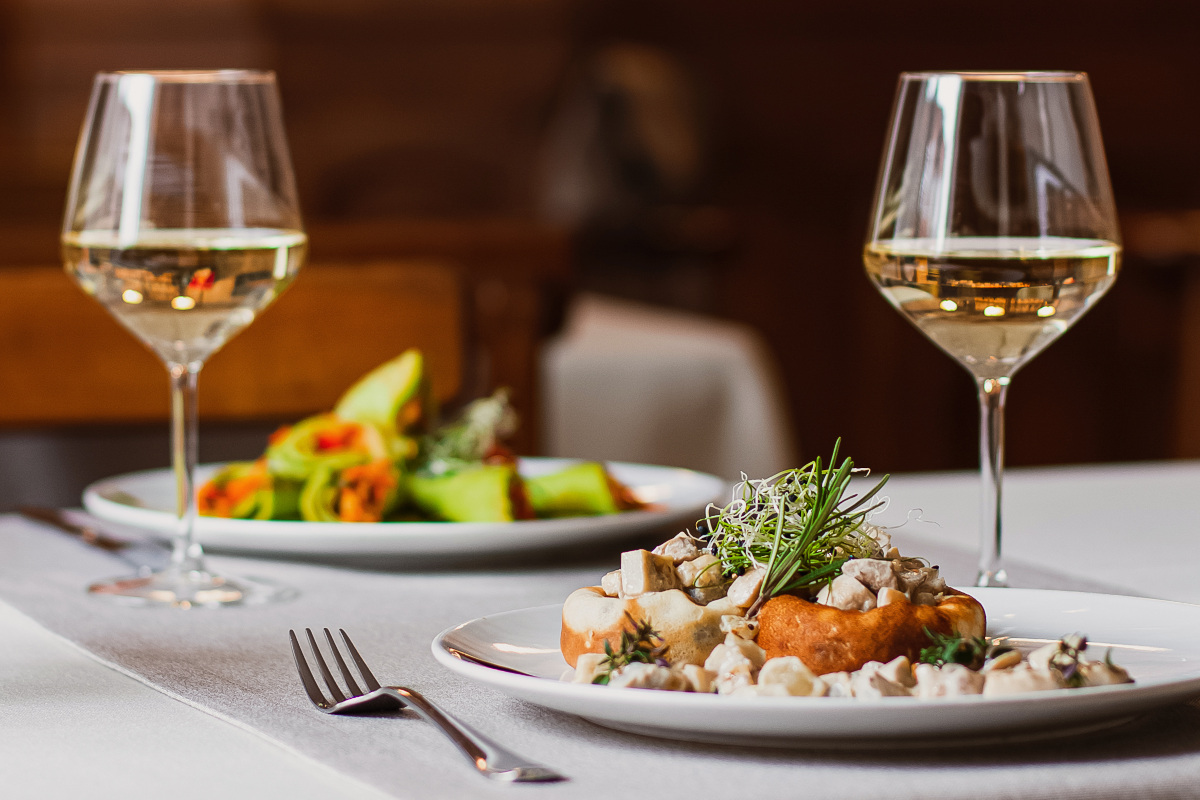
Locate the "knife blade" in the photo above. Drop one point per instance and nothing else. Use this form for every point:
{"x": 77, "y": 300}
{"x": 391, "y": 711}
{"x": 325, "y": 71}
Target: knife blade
{"x": 140, "y": 553}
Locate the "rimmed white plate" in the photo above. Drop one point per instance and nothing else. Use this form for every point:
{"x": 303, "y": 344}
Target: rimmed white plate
{"x": 147, "y": 500}
{"x": 1158, "y": 641}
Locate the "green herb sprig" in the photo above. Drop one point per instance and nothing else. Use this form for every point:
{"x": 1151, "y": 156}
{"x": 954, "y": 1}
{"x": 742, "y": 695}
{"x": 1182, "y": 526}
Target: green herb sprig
{"x": 799, "y": 525}
{"x": 949, "y": 649}
{"x": 640, "y": 643}
{"x": 1069, "y": 658}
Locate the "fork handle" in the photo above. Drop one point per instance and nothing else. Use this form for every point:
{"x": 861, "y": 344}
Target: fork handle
{"x": 490, "y": 758}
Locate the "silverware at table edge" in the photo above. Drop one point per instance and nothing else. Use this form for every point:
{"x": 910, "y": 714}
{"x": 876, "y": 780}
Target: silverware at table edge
{"x": 487, "y": 756}
{"x": 137, "y": 552}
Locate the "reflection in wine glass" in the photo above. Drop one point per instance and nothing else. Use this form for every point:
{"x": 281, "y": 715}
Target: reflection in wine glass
{"x": 993, "y": 230}
{"x": 182, "y": 221}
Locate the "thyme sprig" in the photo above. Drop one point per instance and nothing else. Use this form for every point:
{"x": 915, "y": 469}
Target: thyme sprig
{"x": 799, "y": 525}
{"x": 970, "y": 651}
{"x": 1069, "y": 657}
{"x": 641, "y": 643}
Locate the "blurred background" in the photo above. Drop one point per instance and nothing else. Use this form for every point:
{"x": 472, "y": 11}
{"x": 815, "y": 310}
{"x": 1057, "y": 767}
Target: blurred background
{"x": 696, "y": 174}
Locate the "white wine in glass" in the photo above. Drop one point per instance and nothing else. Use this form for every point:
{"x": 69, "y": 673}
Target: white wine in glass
{"x": 993, "y": 230}
{"x": 183, "y": 223}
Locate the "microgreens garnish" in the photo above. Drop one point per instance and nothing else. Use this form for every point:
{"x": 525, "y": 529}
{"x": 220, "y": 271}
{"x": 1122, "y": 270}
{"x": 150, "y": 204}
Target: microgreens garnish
{"x": 799, "y": 525}
{"x": 641, "y": 643}
{"x": 467, "y": 440}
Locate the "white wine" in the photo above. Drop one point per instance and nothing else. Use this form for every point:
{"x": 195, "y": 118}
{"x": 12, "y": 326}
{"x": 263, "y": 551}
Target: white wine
{"x": 993, "y": 303}
{"x": 185, "y": 292}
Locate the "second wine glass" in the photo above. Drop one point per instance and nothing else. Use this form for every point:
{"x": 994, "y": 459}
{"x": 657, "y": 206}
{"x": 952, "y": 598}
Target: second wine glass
{"x": 182, "y": 222}
{"x": 993, "y": 230}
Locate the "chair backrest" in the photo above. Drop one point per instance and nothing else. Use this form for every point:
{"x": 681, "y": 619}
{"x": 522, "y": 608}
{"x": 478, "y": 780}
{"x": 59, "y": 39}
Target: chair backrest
{"x": 476, "y": 297}
{"x": 65, "y": 361}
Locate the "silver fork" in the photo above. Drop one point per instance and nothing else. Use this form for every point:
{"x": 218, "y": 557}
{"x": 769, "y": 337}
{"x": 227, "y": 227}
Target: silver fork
{"x": 488, "y": 757}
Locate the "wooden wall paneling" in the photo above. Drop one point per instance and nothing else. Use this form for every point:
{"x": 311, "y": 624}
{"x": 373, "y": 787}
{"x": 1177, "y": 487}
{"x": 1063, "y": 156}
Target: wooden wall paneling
{"x": 417, "y": 108}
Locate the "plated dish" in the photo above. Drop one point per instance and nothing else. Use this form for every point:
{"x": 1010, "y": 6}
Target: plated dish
{"x": 1158, "y": 641}
{"x": 790, "y": 591}
{"x": 385, "y": 453}
{"x": 676, "y": 497}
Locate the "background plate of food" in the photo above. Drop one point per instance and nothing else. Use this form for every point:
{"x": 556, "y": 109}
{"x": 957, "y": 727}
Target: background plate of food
{"x": 383, "y": 476}
{"x": 673, "y": 498}
{"x": 1158, "y": 642}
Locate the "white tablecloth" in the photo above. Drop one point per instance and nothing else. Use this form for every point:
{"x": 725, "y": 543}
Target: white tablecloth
{"x": 70, "y": 727}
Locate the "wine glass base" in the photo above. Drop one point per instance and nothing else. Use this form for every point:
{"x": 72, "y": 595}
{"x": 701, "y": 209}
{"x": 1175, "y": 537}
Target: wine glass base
{"x": 190, "y": 589}
{"x": 997, "y": 577}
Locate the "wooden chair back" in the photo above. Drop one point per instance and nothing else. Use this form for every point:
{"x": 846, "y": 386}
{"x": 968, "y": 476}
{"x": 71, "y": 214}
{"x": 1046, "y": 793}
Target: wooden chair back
{"x": 65, "y": 361}
{"x": 476, "y": 297}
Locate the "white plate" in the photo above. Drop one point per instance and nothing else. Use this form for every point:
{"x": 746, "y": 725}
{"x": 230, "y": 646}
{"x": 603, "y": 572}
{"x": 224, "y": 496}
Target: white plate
{"x": 1158, "y": 641}
{"x": 147, "y": 500}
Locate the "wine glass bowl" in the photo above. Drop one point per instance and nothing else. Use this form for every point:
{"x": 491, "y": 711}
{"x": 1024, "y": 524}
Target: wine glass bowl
{"x": 182, "y": 222}
{"x": 993, "y": 304}
{"x": 993, "y": 231}
{"x": 184, "y": 293}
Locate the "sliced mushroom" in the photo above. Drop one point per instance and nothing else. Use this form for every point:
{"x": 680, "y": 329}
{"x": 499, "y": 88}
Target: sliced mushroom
{"x": 949, "y": 680}
{"x": 874, "y": 573}
{"x": 744, "y": 589}
{"x": 701, "y": 679}
{"x": 899, "y": 670}
{"x": 846, "y": 593}
{"x": 1102, "y": 673}
{"x": 791, "y": 673}
{"x": 739, "y": 626}
{"x": 587, "y": 667}
{"x": 1023, "y": 678}
{"x": 611, "y": 584}
{"x": 680, "y": 548}
{"x": 649, "y": 676}
{"x": 643, "y": 572}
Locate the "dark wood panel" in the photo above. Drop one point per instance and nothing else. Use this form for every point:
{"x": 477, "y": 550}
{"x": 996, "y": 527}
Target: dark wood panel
{"x": 399, "y": 111}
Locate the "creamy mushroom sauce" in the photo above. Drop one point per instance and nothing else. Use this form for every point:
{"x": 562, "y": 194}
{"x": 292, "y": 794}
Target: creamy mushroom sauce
{"x": 739, "y": 667}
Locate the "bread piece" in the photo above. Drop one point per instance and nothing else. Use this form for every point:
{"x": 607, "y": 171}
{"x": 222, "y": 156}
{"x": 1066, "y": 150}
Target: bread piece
{"x": 690, "y": 631}
{"x": 828, "y": 639}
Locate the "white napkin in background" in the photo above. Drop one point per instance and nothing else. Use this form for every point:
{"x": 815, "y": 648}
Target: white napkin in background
{"x": 631, "y": 382}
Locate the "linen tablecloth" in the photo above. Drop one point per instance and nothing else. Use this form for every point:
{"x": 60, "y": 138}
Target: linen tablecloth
{"x": 235, "y": 664}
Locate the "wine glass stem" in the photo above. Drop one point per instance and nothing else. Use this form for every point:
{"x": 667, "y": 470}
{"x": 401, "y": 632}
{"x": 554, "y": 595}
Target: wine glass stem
{"x": 187, "y": 555}
{"x": 991, "y": 467}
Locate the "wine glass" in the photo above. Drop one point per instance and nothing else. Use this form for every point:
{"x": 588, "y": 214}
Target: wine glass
{"x": 182, "y": 222}
{"x": 993, "y": 230}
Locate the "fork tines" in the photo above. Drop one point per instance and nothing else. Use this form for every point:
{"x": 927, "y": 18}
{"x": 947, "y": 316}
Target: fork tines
{"x": 487, "y": 756}
{"x": 312, "y": 688}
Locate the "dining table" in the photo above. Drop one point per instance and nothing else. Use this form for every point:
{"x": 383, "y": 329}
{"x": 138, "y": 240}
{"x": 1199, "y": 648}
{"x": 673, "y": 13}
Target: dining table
{"x": 104, "y": 701}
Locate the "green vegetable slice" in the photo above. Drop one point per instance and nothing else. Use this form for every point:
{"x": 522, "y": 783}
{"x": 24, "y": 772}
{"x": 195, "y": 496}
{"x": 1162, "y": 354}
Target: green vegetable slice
{"x": 395, "y": 396}
{"x": 478, "y": 494}
{"x": 579, "y": 490}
